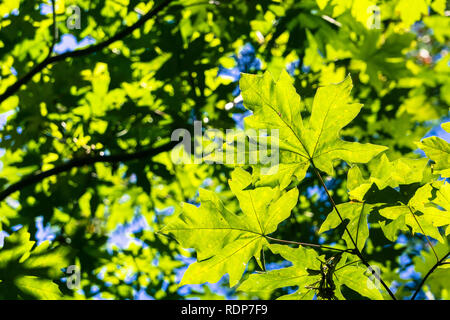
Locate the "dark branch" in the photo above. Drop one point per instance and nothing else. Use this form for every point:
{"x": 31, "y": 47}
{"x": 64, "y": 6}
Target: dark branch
{"x": 80, "y": 162}
{"x": 83, "y": 52}
{"x": 437, "y": 264}
{"x": 55, "y": 31}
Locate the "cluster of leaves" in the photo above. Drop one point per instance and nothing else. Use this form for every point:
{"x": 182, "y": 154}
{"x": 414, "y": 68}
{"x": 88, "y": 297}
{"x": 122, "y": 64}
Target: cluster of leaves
{"x": 87, "y": 134}
{"x": 27, "y": 271}
{"x": 225, "y": 241}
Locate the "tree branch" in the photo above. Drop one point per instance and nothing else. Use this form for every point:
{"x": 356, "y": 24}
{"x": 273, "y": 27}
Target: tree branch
{"x": 356, "y": 250}
{"x": 55, "y": 30}
{"x": 437, "y": 264}
{"x": 83, "y": 52}
{"x": 80, "y": 162}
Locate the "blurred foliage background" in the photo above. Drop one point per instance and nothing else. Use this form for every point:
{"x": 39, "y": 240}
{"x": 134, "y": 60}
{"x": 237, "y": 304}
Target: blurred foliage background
{"x": 110, "y": 114}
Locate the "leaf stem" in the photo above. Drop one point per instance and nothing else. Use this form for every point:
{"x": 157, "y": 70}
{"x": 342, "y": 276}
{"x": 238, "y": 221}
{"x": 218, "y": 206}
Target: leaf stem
{"x": 423, "y": 232}
{"x": 306, "y": 244}
{"x": 356, "y": 250}
{"x": 437, "y": 264}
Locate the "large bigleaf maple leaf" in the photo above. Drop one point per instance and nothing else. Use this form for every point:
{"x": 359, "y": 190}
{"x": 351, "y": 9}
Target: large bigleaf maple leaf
{"x": 276, "y": 105}
{"x": 225, "y": 241}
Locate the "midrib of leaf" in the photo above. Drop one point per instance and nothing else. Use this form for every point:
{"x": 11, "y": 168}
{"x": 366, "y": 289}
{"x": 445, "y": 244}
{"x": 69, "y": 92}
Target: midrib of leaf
{"x": 440, "y": 150}
{"x": 330, "y": 150}
{"x": 359, "y": 221}
{"x": 304, "y": 295}
{"x": 302, "y": 155}
{"x": 39, "y": 289}
{"x": 232, "y": 254}
{"x": 423, "y": 232}
{"x": 267, "y": 223}
{"x": 217, "y": 229}
{"x": 287, "y": 125}
{"x": 443, "y": 196}
{"x": 254, "y": 211}
{"x": 225, "y": 228}
{"x": 269, "y": 219}
{"x": 323, "y": 122}
{"x": 295, "y": 277}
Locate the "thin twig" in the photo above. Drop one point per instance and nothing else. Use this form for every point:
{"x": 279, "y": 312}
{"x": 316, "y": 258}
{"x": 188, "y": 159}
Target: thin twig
{"x": 82, "y": 52}
{"x": 441, "y": 261}
{"x": 55, "y": 31}
{"x": 423, "y": 232}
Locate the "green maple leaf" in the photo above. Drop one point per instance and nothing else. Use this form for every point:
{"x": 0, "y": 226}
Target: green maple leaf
{"x": 276, "y": 105}
{"x": 225, "y": 241}
{"x": 385, "y": 173}
{"x": 296, "y": 275}
{"x": 443, "y": 201}
{"x": 356, "y": 278}
{"x": 421, "y": 213}
{"x": 438, "y": 150}
{"x": 27, "y": 273}
{"x": 446, "y": 126}
{"x": 357, "y": 214}
{"x": 299, "y": 274}
{"x": 392, "y": 229}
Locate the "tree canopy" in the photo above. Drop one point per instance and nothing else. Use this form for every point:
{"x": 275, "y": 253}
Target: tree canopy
{"x": 350, "y": 99}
